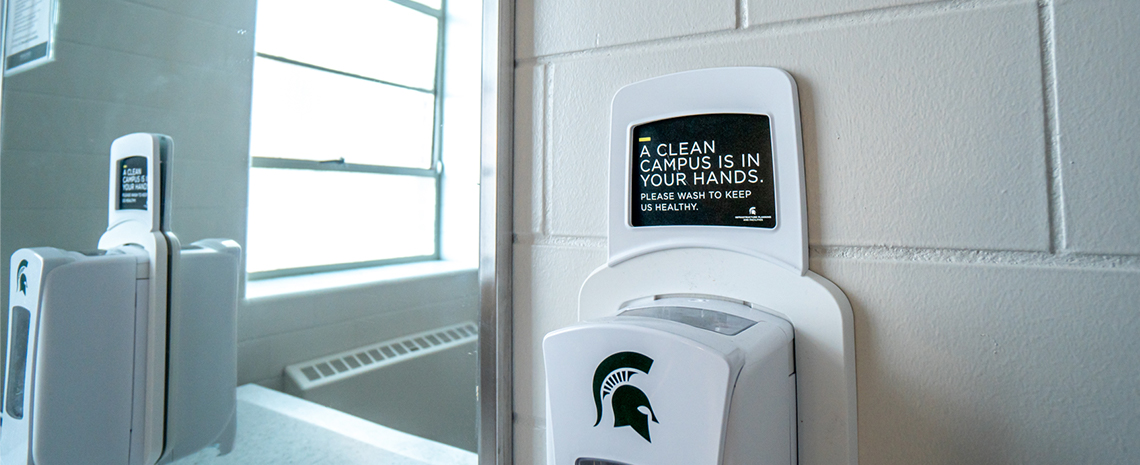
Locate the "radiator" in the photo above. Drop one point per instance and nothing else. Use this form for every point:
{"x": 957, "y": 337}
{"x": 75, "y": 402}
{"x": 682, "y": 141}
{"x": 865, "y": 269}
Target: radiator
{"x": 423, "y": 384}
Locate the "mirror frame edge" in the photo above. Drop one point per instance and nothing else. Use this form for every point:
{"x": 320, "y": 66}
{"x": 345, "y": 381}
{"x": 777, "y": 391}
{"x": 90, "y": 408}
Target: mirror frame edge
{"x": 496, "y": 235}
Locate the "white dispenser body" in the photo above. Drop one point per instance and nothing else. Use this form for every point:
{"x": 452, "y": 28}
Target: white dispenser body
{"x": 656, "y": 385}
{"x": 126, "y": 355}
{"x": 71, "y": 360}
{"x": 201, "y": 396}
{"x": 707, "y": 203}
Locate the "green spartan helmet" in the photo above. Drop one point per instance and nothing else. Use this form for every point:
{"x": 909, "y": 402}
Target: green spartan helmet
{"x": 21, "y": 278}
{"x": 610, "y": 378}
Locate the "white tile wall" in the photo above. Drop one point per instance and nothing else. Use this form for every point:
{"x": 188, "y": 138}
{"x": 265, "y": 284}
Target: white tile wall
{"x": 976, "y": 204}
{"x": 1098, "y": 90}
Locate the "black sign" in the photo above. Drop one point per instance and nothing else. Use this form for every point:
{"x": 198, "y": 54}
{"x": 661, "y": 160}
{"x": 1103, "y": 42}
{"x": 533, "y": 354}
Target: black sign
{"x": 709, "y": 170}
{"x": 132, "y": 183}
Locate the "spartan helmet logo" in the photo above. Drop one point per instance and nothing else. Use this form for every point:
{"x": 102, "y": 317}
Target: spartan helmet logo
{"x": 21, "y": 278}
{"x": 630, "y": 405}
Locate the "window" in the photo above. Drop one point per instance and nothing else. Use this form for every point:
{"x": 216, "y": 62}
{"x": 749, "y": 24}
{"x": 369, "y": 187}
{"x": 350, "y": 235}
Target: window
{"x": 345, "y": 135}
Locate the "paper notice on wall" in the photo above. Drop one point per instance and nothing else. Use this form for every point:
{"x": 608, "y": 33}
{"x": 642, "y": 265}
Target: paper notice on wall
{"x": 29, "y": 36}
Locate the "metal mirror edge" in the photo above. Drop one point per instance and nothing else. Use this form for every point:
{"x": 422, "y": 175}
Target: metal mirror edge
{"x": 496, "y": 409}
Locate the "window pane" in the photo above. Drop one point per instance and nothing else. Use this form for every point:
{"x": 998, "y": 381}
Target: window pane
{"x": 398, "y": 42}
{"x": 309, "y": 114}
{"x": 300, "y": 218}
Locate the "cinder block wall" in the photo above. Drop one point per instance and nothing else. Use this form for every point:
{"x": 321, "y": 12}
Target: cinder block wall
{"x": 973, "y": 182}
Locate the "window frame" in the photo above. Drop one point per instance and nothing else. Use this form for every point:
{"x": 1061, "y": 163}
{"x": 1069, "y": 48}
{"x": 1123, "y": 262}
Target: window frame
{"x": 434, "y": 171}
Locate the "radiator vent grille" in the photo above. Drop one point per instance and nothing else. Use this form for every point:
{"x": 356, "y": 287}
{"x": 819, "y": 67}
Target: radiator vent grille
{"x": 335, "y": 367}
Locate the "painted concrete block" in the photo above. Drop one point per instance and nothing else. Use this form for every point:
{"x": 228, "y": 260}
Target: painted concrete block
{"x": 237, "y": 13}
{"x": 136, "y": 80}
{"x": 192, "y": 224}
{"x": 253, "y": 359}
{"x": 1098, "y": 89}
{"x": 218, "y": 134}
{"x": 162, "y": 33}
{"x": 65, "y": 228}
{"x": 27, "y": 176}
{"x": 529, "y": 441}
{"x": 770, "y": 11}
{"x": 51, "y": 123}
{"x": 210, "y": 184}
{"x": 578, "y": 134}
{"x": 266, "y": 357}
{"x": 546, "y": 284}
{"x": 213, "y": 209}
{"x": 551, "y": 27}
{"x": 922, "y": 131}
{"x": 982, "y": 363}
{"x": 284, "y": 313}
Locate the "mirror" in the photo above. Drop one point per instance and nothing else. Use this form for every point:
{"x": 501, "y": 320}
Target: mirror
{"x": 357, "y": 151}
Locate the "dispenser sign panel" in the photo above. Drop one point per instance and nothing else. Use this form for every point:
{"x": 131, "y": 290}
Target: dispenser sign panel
{"x": 706, "y": 170}
{"x": 132, "y": 183}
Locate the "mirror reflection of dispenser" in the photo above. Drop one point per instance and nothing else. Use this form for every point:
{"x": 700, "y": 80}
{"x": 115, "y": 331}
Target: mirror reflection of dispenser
{"x": 125, "y": 355}
{"x": 684, "y": 371}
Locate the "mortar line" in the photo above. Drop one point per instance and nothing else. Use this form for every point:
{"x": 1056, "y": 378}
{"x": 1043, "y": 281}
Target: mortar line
{"x": 978, "y": 257}
{"x": 547, "y": 147}
{"x": 741, "y": 14}
{"x": 1053, "y": 163}
{"x": 579, "y": 242}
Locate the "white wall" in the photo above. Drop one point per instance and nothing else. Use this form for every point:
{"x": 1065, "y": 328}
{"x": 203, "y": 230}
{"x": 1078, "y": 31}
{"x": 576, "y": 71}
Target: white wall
{"x": 971, "y": 179}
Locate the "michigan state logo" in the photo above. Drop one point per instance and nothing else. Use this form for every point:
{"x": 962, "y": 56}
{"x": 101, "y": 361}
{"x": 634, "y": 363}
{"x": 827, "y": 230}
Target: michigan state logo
{"x": 629, "y": 404}
{"x": 21, "y": 278}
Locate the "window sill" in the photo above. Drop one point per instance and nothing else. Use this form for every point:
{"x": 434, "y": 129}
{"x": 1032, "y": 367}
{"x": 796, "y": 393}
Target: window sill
{"x": 348, "y": 279}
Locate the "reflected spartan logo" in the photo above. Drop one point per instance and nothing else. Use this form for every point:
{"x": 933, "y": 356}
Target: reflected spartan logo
{"x": 22, "y": 278}
{"x": 629, "y": 404}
